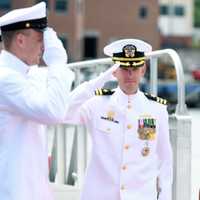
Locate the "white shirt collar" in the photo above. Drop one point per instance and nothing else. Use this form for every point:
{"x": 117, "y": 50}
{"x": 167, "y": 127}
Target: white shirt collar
{"x": 122, "y": 97}
{"x": 123, "y": 101}
{"x": 9, "y": 60}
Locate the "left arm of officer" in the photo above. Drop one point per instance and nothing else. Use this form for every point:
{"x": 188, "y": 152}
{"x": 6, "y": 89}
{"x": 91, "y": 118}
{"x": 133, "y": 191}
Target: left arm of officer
{"x": 165, "y": 156}
{"x": 84, "y": 92}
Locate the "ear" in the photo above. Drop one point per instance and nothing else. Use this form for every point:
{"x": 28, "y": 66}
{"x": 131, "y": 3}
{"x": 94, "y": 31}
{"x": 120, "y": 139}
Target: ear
{"x": 20, "y": 40}
{"x": 114, "y": 73}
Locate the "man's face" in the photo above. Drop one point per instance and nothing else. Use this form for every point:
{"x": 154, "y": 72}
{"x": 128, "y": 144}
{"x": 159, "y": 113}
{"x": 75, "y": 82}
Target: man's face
{"x": 129, "y": 78}
{"x": 32, "y": 46}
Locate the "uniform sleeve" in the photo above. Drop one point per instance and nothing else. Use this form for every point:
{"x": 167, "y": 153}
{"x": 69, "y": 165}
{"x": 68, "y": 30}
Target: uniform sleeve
{"x": 44, "y": 102}
{"x": 86, "y": 115}
{"x": 165, "y": 157}
{"x": 81, "y": 115}
{"x": 84, "y": 92}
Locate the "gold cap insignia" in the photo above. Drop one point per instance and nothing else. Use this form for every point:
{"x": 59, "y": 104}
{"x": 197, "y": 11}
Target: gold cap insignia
{"x": 129, "y": 51}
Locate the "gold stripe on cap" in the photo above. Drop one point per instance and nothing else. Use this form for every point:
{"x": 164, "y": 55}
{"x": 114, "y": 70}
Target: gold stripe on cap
{"x": 127, "y": 59}
{"x": 138, "y": 63}
{"x": 123, "y": 63}
{"x": 97, "y": 92}
{"x": 128, "y": 64}
{"x": 100, "y": 92}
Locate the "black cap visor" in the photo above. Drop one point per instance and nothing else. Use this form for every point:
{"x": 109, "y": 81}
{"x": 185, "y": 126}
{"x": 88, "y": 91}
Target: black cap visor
{"x": 38, "y": 24}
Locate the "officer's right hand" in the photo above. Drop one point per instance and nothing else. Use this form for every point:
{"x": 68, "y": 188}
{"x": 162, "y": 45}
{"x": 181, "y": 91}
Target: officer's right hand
{"x": 110, "y": 72}
{"x": 54, "y": 52}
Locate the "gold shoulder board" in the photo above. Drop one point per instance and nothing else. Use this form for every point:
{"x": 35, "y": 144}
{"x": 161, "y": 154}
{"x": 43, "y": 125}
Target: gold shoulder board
{"x": 155, "y": 98}
{"x": 103, "y": 91}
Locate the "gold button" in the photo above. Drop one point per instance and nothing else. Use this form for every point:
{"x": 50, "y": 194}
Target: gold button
{"x": 124, "y": 167}
{"x": 129, "y": 106}
{"x": 126, "y": 146}
{"x": 122, "y": 187}
{"x": 108, "y": 129}
{"x": 129, "y": 126}
{"x": 27, "y": 25}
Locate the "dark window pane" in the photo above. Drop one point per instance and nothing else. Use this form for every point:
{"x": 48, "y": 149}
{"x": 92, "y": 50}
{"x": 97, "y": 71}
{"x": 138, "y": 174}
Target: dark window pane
{"x": 143, "y": 12}
{"x": 179, "y": 11}
{"x": 5, "y": 4}
{"x": 164, "y": 10}
{"x": 61, "y": 5}
{"x": 90, "y": 47}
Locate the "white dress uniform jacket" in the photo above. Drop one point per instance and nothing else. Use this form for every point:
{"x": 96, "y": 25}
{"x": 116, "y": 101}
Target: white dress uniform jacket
{"x": 26, "y": 103}
{"x": 117, "y": 169}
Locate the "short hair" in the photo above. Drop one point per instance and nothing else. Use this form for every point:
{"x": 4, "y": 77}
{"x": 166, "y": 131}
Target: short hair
{"x": 8, "y": 36}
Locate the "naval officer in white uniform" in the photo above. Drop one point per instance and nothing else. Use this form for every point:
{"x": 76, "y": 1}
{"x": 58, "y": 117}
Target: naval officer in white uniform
{"x": 130, "y": 134}
{"x": 26, "y": 104}
{"x": 30, "y": 98}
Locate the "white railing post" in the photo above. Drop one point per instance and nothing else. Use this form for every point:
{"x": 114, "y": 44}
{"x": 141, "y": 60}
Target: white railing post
{"x": 81, "y": 154}
{"x": 154, "y": 76}
{"x": 180, "y": 135}
{"x": 60, "y": 154}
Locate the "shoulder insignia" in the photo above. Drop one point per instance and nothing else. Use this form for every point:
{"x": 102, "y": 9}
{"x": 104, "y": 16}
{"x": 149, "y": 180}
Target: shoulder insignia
{"x": 103, "y": 91}
{"x": 155, "y": 98}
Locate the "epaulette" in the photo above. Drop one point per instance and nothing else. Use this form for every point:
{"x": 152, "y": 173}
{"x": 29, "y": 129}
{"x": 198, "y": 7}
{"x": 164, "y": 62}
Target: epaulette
{"x": 103, "y": 91}
{"x": 155, "y": 98}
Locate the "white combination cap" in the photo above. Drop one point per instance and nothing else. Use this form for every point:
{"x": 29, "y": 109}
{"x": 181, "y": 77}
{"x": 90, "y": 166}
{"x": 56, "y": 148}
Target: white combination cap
{"x": 23, "y": 18}
{"x": 128, "y": 52}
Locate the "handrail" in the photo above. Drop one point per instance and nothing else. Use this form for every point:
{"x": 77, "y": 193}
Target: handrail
{"x": 90, "y": 63}
{"x": 181, "y": 108}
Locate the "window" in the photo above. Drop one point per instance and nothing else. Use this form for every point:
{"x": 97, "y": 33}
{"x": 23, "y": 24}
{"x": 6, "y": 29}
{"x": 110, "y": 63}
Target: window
{"x": 5, "y": 4}
{"x": 179, "y": 11}
{"x": 61, "y": 5}
{"x": 90, "y": 47}
{"x": 143, "y": 12}
{"x": 164, "y": 10}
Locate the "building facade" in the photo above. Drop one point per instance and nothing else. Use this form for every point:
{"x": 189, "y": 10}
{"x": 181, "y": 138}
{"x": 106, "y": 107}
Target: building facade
{"x": 86, "y": 26}
{"x": 176, "y": 23}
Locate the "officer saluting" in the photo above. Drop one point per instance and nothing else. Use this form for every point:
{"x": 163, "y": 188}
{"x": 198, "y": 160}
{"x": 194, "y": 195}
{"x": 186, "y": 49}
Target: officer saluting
{"x": 130, "y": 133}
{"x": 27, "y": 103}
